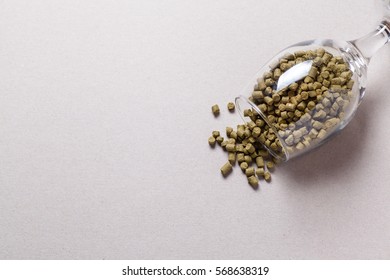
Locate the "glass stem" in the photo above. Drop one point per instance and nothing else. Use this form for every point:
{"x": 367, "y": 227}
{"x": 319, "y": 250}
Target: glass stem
{"x": 372, "y": 42}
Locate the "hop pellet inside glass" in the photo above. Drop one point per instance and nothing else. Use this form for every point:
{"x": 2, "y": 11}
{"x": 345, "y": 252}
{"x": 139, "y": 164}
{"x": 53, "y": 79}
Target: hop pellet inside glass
{"x": 308, "y": 92}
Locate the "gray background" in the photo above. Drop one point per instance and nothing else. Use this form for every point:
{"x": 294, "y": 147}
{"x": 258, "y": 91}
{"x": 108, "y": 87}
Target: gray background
{"x": 104, "y": 120}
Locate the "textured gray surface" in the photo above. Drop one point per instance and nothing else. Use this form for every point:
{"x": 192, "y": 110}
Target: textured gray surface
{"x": 104, "y": 120}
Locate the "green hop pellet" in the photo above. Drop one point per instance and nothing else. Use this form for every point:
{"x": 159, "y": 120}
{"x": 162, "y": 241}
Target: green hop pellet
{"x": 230, "y": 147}
{"x": 241, "y": 133}
{"x": 232, "y": 158}
{"x": 240, "y": 126}
{"x": 212, "y": 141}
{"x": 253, "y": 181}
{"x": 226, "y": 169}
{"x": 260, "y": 161}
{"x": 293, "y": 86}
{"x": 215, "y": 110}
{"x": 254, "y": 155}
{"x": 300, "y": 146}
{"x": 311, "y": 105}
{"x": 260, "y": 172}
{"x": 240, "y": 148}
{"x": 257, "y": 95}
{"x": 268, "y": 100}
{"x": 231, "y": 106}
{"x": 263, "y": 107}
{"x": 240, "y": 157}
{"x": 313, "y": 72}
{"x": 290, "y": 107}
{"x": 215, "y": 134}
{"x": 270, "y": 165}
{"x": 233, "y": 135}
{"x": 256, "y": 132}
{"x": 301, "y": 106}
{"x": 247, "y": 112}
{"x": 251, "y": 125}
{"x": 244, "y": 165}
{"x": 248, "y": 159}
{"x": 219, "y": 140}
{"x": 250, "y": 171}
{"x": 326, "y": 58}
{"x": 228, "y": 131}
{"x": 267, "y": 176}
{"x": 250, "y": 148}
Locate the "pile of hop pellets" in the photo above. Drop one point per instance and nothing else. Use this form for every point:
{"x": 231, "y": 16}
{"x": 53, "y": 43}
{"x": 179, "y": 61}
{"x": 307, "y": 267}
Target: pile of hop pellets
{"x": 307, "y": 110}
{"x": 303, "y": 113}
{"x": 242, "y": 147}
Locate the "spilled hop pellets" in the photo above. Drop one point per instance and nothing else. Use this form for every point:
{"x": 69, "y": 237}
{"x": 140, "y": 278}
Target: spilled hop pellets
{"x": 242, "y": 147}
